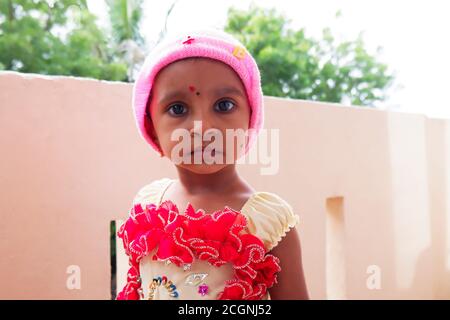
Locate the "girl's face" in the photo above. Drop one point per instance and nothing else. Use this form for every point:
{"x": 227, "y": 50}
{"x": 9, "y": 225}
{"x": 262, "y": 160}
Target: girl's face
{"x": 205, "y": 93}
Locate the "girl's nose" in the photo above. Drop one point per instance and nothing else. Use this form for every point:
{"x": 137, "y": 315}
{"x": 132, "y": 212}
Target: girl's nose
{"x": 199, "y": 127}
{"x": 201, "y": 122}
{"x": 195, "y": 132}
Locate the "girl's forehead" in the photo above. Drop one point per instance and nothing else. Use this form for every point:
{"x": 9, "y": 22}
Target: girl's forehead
{"x": 205, "y": 75}
{"x": 197, "y": 69}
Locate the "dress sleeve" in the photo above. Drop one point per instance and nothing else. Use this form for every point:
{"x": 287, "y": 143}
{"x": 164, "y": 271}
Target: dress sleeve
{"x": 152, "y": 192}
{"x": 269, "y": 217}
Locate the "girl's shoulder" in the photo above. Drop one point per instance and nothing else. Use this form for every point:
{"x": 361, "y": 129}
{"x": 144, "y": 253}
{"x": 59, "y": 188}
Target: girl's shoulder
{"x": 269, "y": 217}
{"x": 152, "y": 192}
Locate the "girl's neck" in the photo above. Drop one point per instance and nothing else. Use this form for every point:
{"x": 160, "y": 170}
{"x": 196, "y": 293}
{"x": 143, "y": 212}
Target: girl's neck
{"x": 220, "y": 181}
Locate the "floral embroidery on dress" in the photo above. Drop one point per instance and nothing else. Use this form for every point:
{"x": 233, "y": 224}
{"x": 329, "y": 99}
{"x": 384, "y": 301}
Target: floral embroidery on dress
{"x": 218, "y": 238}
{"x": 195, "y": 279}
{"x": 158, "y": 281}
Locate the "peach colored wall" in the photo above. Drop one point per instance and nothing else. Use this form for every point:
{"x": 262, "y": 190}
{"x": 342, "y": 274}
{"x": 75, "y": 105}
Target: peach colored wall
{"x": 371, "y": 187}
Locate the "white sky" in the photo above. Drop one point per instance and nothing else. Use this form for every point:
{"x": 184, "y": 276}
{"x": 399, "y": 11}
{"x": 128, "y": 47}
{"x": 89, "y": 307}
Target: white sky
{"x": 414, "y": 34}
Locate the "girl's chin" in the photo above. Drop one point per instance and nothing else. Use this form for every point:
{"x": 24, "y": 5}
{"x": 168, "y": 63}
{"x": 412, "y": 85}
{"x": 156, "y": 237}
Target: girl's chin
{"x": 203, "y": 168}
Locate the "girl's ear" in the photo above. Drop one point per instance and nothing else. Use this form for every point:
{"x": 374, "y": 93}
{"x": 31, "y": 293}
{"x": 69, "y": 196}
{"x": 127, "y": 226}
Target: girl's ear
{"x": 148, "y": 124}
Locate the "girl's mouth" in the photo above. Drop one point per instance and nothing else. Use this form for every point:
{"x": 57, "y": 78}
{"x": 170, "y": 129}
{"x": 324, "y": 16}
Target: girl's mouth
{"x": 201, "y": 150}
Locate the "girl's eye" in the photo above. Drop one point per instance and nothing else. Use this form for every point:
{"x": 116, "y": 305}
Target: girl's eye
{"x": 177, "y": 110}
{"x": 225, "y": 105}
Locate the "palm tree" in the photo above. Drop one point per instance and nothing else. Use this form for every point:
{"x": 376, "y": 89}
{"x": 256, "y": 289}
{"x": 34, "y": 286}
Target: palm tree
{"x": 125, "y": 17}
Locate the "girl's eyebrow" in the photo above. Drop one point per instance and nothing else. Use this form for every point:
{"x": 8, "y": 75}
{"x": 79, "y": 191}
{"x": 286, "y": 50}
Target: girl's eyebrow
{"x": 171, "y": 96}
{"x": 218, "y": 92}
{"x": 229, "y": 90}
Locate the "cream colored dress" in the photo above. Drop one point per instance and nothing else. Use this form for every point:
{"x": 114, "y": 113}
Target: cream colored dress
{"x": 269, "y": 217}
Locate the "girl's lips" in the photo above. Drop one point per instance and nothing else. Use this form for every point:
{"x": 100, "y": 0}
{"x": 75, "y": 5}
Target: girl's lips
{"x": 201, "y": 150}
{"x": 213, "y": 153}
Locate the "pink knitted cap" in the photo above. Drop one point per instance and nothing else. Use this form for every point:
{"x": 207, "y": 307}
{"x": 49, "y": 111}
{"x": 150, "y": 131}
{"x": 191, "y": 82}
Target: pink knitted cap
{"x": 213, "y": 44}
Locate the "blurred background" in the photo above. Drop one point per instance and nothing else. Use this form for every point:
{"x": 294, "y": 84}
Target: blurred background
{"x": 382, "y": 54}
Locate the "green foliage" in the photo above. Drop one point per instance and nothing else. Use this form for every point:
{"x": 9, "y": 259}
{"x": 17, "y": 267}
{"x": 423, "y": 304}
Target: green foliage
{"x": 127, "y": 42}
{"x": 62, "y": 37}
{"x": 296, "y": 66}
{"x": 125, "y": 16}
{"x": 55, "y": 37}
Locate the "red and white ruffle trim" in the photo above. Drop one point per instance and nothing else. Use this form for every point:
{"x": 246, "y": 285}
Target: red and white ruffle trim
{"x": 218, "y": 238}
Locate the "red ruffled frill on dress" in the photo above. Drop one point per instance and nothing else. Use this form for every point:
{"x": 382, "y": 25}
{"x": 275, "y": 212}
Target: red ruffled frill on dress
{"x": 218, "y": 238}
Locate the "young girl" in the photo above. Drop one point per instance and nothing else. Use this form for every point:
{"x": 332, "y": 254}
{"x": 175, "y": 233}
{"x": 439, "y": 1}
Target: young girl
{"x": 207, "y": 234}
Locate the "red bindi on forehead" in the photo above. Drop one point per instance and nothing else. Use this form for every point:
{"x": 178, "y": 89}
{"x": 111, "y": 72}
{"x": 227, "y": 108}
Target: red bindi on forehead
{"x": 192, "y": 89}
